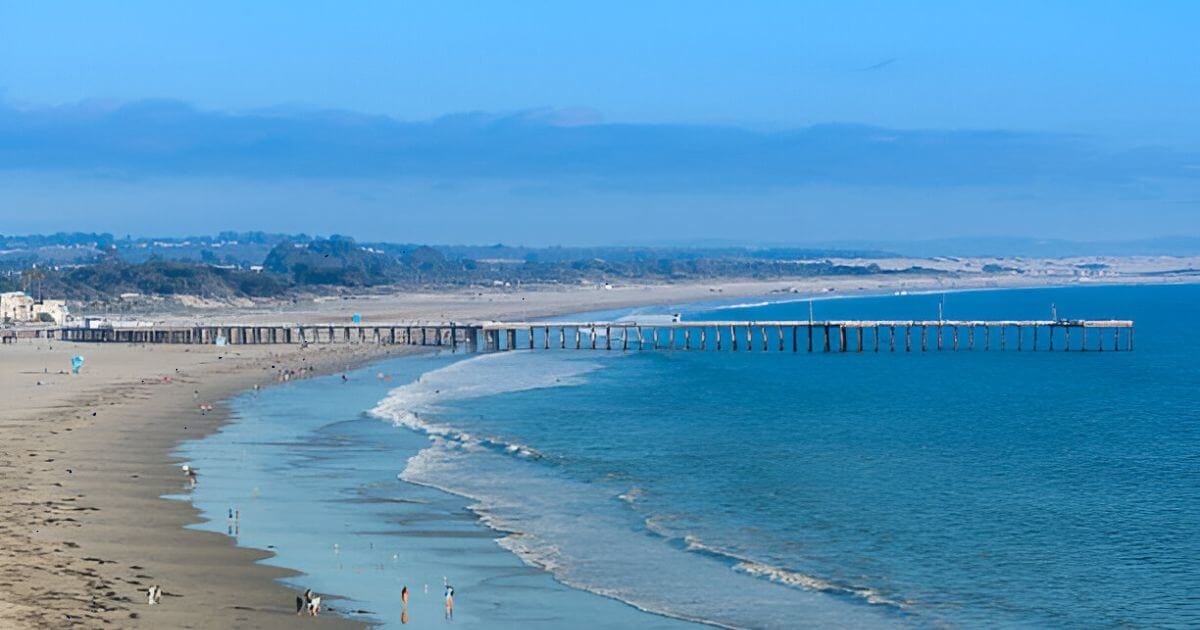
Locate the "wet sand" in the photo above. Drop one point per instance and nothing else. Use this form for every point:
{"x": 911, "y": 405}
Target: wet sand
{"x": 84, "y": 460}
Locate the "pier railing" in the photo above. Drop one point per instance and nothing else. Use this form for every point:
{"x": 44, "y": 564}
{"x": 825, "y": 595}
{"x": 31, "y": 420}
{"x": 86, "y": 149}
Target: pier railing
{"x": 733, "y": 336}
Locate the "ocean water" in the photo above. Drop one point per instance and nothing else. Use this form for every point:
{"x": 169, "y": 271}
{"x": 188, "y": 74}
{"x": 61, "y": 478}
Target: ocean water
{"x": 303, "y": 471}
{"x": 761, "y": 489}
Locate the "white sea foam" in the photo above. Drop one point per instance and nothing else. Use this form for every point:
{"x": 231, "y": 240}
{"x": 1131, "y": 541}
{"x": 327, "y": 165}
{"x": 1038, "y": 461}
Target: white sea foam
{"x": 726, "y": 307}
{"x": 749, "y": 566}
{"x": 631, "y": 495}
{"x": 574, "y": 529}
{"x": 793, "y": 300}
{"x": 576, "y": 532}
{"x": 485, "y": 375}
{"x": 792, "y": 578}
{"x": 823, "y": 297}
{"x": 648, "y": 318}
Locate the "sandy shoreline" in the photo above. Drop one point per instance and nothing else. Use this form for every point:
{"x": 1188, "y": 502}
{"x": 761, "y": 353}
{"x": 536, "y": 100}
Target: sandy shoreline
{"x": 84, "y": 528}
{"x": 476, "y": 304}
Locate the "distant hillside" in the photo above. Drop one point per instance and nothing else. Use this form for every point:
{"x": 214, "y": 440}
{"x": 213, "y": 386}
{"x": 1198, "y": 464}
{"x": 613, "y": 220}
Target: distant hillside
{"x": 99, "y": 267}
{"x": 242, "y": 249}
{"x": 337, "y": 261}
{"x": 643, "y": 253}
{"x": 246, "y": 249}
{"x": 1034, "y": 247}
{"x": 163, "y": 278}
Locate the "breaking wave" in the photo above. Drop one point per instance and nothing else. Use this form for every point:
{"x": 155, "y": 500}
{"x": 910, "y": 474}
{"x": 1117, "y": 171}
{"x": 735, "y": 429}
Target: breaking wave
{"x": 584, "y": 532}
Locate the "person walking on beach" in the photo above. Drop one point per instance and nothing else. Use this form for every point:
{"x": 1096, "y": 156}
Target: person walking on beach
{"x": 310, "y": 603}
{"x": 190, "y": 473}
{"x": 449, "y": 601}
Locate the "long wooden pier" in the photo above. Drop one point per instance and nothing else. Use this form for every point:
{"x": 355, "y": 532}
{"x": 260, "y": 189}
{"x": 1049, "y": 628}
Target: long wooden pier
{"x": 731, "y": 336}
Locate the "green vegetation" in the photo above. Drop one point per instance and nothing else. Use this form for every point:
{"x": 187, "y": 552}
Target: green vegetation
{"x": 204, "y": 267}
{"x": 337, "y": 261}
{"x": 112, "y": 278}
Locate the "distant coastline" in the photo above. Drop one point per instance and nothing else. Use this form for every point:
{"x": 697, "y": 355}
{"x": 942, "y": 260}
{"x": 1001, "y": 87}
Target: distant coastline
{"x": 99, "y": 272}
{"x": 162, "y": 380}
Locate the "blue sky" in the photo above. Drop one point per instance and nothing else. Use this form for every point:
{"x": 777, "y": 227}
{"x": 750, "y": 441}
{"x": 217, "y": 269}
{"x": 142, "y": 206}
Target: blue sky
{"x": 545, "y": 122}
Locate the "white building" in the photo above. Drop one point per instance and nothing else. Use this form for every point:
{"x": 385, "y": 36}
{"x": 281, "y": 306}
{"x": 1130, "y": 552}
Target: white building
{"x": 54, "y": 309}
{"x": 17, "y": 307}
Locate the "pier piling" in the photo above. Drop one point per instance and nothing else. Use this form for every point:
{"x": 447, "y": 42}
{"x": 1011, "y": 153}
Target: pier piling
{"x": 454, "y": 334}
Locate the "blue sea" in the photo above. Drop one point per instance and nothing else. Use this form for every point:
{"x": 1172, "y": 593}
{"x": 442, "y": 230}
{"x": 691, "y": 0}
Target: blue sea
{"x": 752, "y": 489}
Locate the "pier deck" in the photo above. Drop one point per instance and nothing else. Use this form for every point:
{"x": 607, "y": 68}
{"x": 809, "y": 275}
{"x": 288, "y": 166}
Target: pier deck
{"x": 780, "y": 336}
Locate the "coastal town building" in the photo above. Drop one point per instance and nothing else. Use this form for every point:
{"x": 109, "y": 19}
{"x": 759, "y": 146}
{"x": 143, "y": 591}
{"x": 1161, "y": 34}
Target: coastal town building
{"x": 17, "y": 307}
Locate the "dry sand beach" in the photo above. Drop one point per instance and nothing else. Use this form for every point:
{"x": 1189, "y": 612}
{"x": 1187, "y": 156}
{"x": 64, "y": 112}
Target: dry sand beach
{"x": 85, "y": 458}
{"x": 547, "y": 300}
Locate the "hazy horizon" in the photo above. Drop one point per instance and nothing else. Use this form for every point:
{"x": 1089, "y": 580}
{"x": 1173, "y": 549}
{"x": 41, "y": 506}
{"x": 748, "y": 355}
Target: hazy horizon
{"x": 546, "y": 124}
{"x": 964, "y": 246}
